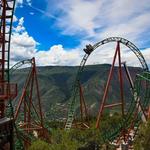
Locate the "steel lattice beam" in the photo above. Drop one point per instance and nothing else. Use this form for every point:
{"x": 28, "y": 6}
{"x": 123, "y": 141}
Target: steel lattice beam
{"x": 88, "y": 50}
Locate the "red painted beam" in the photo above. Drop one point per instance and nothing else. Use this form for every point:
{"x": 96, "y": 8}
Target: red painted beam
{"x": 112, "y": 105}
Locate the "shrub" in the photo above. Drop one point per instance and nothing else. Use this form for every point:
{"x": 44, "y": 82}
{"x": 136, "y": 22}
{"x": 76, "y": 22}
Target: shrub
{"x": 39, "y": 145}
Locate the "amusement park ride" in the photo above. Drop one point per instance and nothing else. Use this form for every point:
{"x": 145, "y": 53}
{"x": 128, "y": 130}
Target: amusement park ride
{"x": 140, "y": 90}
{"x": 29, "y": 103}
{"x": 8, "y": 91}
{"x": 130, "y": 122}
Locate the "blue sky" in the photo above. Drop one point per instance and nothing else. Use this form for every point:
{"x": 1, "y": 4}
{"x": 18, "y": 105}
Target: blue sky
{"x": 42, "y": 27}
{"x": 55, "y": 32}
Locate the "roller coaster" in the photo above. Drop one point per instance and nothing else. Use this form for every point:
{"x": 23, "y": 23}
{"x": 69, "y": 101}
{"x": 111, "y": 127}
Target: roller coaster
{"x": 28, "y": 113}
{"x": 33, "y": 117}
{"x": 139, "y": 103}
{"x": 8, "y": 91}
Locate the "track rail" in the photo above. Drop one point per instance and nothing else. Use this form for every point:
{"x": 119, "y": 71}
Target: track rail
{"x": 33, "y": 119}
{"x": 19, "y": 65}
{"x": 72, "y": 106}
{"x": 133, "y": 118}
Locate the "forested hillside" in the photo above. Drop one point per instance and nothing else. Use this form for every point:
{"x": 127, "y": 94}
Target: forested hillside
{"x": 56, "y": 82}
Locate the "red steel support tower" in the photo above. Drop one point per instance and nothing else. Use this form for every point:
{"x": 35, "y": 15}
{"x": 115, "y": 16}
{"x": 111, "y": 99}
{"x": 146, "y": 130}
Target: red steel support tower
{"x": 8, "y": 91}
{"x": 83, "y": 109}
{"x": 29, "y": 105}
{"x": 103, "y": 103}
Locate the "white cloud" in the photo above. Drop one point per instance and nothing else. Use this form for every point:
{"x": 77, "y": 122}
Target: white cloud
{"x": 20, "y": 27}
{"x": 105, "y": 54}
{"x": 78, "y": 15}
{"x": 29, "y": 2}
{"x": 31, "y": 13}
{"x": 15, "y": 19}
{"x": 57, "y": 55}
{"x": 23, "y": 46}
{"x": 94, "y": 20}
{"x": 100, "y": 19}
{"x": 121, "y": 11}
{"x": 146, "y": 54}
{"x": 131, "y": 29}
{"x": 19, "y": 3}
{"x": 23, "y": 40}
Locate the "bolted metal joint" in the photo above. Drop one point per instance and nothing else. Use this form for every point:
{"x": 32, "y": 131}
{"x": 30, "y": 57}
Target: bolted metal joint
{"x": 89, "y": 48}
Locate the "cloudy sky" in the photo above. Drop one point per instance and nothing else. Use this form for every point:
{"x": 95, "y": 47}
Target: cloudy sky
{"x": 55, "y": 32}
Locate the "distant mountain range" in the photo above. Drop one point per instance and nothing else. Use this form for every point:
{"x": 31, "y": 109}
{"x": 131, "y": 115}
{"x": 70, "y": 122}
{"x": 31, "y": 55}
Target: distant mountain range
{"x": 55, "y": 84}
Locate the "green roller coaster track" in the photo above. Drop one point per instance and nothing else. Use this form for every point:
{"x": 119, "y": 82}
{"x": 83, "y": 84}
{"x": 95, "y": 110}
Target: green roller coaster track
{"x": 12, "y": 71}
{"x": 19, "y": 65}
{"x": 72, "y": 107}
{"x": 112, "y": 133}
{"x": 20, "y": 134}
{"x": 126, "y": 122}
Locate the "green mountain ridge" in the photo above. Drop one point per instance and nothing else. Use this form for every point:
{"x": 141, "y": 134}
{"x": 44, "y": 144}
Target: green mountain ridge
{"x": 56, "y": 82}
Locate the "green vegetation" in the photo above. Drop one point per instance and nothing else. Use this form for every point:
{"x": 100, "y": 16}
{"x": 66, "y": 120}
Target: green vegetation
{"x": 56, "y": 83}
{"x": 55, "y": 89}
{"x": 142, "y": 141}
{"x": 88, "y": 139}
{"x": 39, "y": 145}
{"x": 72, "y": 140}
{"x": 81, "y": 139}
